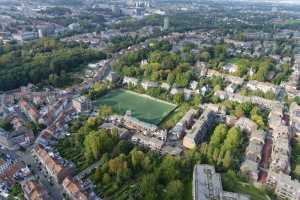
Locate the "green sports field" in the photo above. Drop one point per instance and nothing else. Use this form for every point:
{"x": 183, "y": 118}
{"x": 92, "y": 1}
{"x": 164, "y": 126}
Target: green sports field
{"x": 144, "y": 108}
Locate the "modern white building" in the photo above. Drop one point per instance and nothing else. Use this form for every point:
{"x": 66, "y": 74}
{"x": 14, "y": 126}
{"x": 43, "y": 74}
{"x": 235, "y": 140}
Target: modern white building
{"x": 207, "y": 185}
{"x": 130, "y": 80}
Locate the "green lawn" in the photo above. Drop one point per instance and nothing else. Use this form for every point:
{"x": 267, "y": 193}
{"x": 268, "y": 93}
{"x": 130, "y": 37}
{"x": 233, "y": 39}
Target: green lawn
{"x": 239, "y": 61}
{"x": 144, "y": 108}
{"x": 296, "y": 158}
{"x": 175, "y": 116}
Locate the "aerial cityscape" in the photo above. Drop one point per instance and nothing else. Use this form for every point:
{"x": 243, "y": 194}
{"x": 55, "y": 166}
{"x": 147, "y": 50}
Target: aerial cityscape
{"x": 150, "y": 99}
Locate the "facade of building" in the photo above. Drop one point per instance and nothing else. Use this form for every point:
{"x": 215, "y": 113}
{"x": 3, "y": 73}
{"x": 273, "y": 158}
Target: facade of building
{"x": 281, "y": 150}
{"x": 266, "y": 103}
{"x": 199, "y": 130}
{"x": 29, "y": 110}
{"x": 263, "y": 86}
{"x": 82, "y": 104}
{"x": 73, "y": 189}
{"x": 184, "y": 123}
{"x": 8, "y": 170}
{"x": 149, "y": 84}
{"x": 56, "y": 166}
{"x": 22, "y": 136}
{"x": 26, "y": 36}
{"x": 230, "y": 68}
{"x": 253, "y": 157}
{"x": 148, "y": 142}
{"x": 246, "y": 125}
{"x": 34, "y": 191}
{"x": 284, "y": 186}
{"x": 295, "y": 118}
{"x": 130, "y": 81}
{"x": 165, "y": 86}
{"x": 134, "y": 123}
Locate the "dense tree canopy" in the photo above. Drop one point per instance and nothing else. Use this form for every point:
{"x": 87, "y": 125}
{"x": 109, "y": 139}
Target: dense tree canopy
{"x": 225, "y": 146}
{"x": 162, "y": 64}
{"x": 46, "y": 61}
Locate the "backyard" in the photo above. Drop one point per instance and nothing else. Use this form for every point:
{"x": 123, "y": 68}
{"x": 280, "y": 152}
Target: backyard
{"x": 142, "y": 107}
{"x": 233, "y": 183}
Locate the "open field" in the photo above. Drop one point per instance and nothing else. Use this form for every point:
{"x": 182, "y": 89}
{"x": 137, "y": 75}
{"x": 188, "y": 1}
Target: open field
{"x": 171, "y": 120}
{"x": 144, "y": 108}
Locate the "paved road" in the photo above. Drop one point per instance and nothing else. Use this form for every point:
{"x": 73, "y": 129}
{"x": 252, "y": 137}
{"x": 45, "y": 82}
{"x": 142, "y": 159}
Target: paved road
{"x": 55, "y": 190}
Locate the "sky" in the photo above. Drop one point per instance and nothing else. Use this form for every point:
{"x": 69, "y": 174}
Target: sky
{"x": 278, "y": 1}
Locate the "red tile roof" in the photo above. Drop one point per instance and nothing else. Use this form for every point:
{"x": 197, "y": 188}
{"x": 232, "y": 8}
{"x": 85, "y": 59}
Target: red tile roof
{"x": 74, "y": 189}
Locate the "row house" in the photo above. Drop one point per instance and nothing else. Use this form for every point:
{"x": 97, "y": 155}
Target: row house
{"x": 295, "y": 118}
{"x": 13, "y": 140}
{"x": 281, "y": 152}
{"x": 284, "y": 186}
{"x": 263, "y": 86}
{"x": 275, "y": 118}
{"x": 29, "y": 110}
{"x": 266, "y": 103}
{"x": 130, "y": 81}
{"x": 230, "y": 68}
{"x": 45, "y": 137}
{"x": 160, "y": 134}
{"x": 6, "y": 141}
{"x": 56, "y": 166}
{"x": 8, "y": 169}
{"x": 281, "y": 149}
{"x": 149, "y": 84}
{"x": 253, "y": 157}
{"x": 74, "y": 190}
{"x": 146, "y": 128}
{"x": 184, "y": 123}
{"x": 200, "y": 129}
{"x": 232, "y": 79}
{"x": 82, "y": 104}
{"x": 58, "y": 107}
{"x": 53, "y": 111}
{"x": 187, "y": 93}
{"x": 148, "y": 142}
{"x": 33, "y": 190}
{"x": 134, "y": 123}
{"x": 231, "y": 88}
{"x": 246, "y": 125}
{"x": 292, "y": 83}
{"x": 165, "y": 86}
